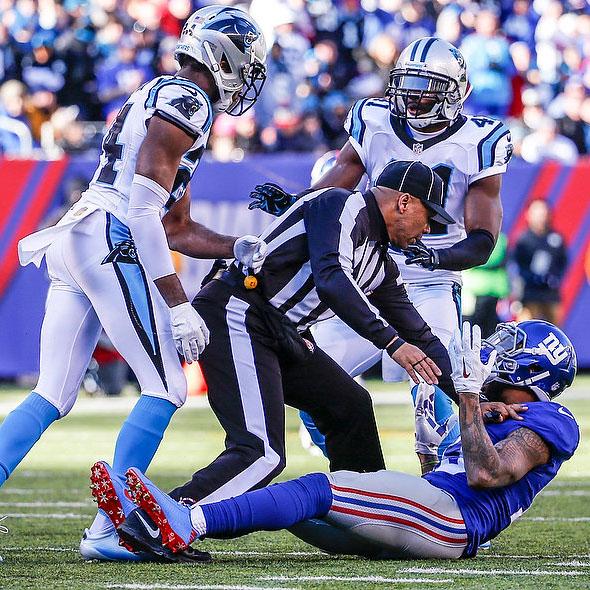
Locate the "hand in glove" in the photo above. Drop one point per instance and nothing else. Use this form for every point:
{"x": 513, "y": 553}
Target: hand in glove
{"x": 429, "y": 433}
{"x": 271, "y": 198}
{"x": 189, "y": 331}
{"x": 250, "y": 251}
{"x": 468, "y": 370}
{"x": 420, "y": 253}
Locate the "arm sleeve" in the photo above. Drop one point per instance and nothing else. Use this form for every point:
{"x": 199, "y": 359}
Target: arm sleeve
{"x": 333, "y": 230}
{"x": 146, "y": 201}
{"x": 470, "y": 252}
{"x": 394, "y": 305}
{"x": 183, "y": 104}
{"x": 494, "y": 151}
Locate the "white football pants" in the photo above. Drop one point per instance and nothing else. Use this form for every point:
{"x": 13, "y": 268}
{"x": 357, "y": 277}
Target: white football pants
{"x": 85, "y": 293}
{"x": 438, "y": 304}
{"x": 387, "y": 515}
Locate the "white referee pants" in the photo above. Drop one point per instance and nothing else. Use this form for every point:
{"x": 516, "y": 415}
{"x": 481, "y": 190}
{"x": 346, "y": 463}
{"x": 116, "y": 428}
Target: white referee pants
{"x": 438, "y": 304}
{"x": 83, "y": 295}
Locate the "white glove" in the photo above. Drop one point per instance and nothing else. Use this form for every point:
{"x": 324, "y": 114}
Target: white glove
{"x": 429, "y": 433}
{"x": 189, "y": 331}
{"x": 250, "y": 251}
{"x": 469, "y": 373}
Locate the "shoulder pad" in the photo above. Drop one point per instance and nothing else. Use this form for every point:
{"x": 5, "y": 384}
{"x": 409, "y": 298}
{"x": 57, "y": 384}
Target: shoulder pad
{"x": 492, "y": 140}
{"x": 368, "y": 112}
{"x": 182, "y": 103}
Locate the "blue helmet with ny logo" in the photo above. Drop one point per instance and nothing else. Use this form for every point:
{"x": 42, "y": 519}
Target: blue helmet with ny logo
{"x": 533, "y": 354}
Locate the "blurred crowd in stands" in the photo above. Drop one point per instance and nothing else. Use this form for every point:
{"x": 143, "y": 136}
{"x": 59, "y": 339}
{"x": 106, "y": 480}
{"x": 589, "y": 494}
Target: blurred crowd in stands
{"x": 66, "y": 66}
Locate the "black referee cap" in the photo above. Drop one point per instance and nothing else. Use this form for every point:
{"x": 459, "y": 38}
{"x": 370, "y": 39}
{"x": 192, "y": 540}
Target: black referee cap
{"x": 420, "y": 181}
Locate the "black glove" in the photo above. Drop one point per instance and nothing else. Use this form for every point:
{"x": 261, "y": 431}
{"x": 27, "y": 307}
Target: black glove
{"x": 420, "y": 253}
{"x": 271, "y": 198}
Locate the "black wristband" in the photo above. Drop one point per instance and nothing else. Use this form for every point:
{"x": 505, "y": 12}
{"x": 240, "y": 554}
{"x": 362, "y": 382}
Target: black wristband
{"x": 393, "y": 346}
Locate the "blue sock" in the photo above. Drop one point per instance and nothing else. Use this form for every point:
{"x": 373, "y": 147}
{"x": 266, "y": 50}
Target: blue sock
{"x": 443, "y": 410}
{"x": 318, "y": 439}
{"x": 142, "y": 433}
{"x": 21, "y": 429}
{"x": 276, "y": 507}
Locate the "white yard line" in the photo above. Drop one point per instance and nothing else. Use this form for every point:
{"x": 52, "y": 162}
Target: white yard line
{"x": 570, "y": 484}
{"x": 355, "y": 579}
{"x": 47, "y": 504}
{"x": 53, "y": 515}
{"x": 192, "y": 587}
{"x": 487, "y": 555}
{"x": 7, "y": 491}
{"x": 268, "y": 553}
{"x": 568, "y": 493}
{"x": 556, "y": 518}
{"x": 492, "y": 572}
{"x": 575, "y": 563}
{"x": 53, "y": 549}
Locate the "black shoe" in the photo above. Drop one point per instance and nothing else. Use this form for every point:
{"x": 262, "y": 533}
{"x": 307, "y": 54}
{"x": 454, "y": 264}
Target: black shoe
{"x": 141, "y": 533}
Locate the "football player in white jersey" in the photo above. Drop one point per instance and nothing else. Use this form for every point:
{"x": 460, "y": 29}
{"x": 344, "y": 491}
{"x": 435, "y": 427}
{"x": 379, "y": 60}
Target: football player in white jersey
{"x": 108, "y": 258}
{"x": 421, "y": 119}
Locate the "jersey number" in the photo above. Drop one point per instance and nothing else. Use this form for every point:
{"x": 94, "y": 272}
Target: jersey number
{"x": 483, "y": 121}
{"x": 111, "y": 149}
{"x": 444, "y": 171}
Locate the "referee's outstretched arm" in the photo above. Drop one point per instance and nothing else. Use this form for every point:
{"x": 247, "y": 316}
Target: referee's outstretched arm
{"x": 335, "y": 227}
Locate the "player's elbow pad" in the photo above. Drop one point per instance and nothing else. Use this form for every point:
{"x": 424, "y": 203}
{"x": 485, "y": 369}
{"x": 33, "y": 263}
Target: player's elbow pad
{"x": 146, "y": 200}
{"x": 473, "y": 251}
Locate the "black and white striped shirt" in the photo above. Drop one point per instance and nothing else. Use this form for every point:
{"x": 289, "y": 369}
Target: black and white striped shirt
{"x": 328, "y": 255}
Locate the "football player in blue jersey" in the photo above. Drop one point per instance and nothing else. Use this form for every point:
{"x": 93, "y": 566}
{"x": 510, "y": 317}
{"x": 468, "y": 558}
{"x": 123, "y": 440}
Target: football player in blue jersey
{"x": 484, "y": 481}
{"x": 420, "y": 119}
{"x": 108, "y": 258}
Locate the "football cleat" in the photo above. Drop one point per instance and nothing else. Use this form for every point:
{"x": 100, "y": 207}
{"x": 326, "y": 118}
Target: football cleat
{"x": 105, "y": 547}
{"x": 140, "y": 532}
{"x": 171, "y": 518}
{"x": 109, "y": 493}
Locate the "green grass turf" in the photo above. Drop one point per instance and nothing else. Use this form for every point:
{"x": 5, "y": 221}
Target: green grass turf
{"x": 40, "y": 550}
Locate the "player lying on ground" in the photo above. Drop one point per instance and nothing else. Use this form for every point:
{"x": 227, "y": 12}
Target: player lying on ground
{"x": 420, "y": 119}
{"x": 108, "y": 258}
{"x": 484, "y": 481}
{"x": 326, "y": 256}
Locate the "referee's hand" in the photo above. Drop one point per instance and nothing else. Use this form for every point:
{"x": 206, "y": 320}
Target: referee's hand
{"x": 415, "y": 362}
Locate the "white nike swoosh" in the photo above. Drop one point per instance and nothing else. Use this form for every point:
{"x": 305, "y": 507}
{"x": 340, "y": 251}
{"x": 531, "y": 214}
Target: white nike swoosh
{"x": 563, "y": 411}
{"x": 154, "y": 533}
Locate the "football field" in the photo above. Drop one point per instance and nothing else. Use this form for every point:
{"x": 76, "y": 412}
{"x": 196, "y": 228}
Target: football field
{"x": 48, "y": 505}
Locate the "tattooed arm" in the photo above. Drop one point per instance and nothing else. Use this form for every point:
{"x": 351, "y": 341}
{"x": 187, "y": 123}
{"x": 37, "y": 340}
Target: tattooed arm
{"x": 492, "y": 466}
{"x": 486, "y": 465}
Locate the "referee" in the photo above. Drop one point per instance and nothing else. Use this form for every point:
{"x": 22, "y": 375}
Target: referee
{"x": 326, "y": 255}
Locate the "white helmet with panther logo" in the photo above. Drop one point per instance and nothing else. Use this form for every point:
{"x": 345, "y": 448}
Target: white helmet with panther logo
{"x": 429, "y": 83}
{"x": 229, "y": 43}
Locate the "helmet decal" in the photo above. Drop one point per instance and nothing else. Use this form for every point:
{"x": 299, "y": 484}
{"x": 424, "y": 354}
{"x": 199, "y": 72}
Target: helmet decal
{"x": 230, "y": 44}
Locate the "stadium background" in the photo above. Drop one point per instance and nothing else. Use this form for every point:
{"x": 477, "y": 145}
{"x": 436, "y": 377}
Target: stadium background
{"x": 65, "y": 67}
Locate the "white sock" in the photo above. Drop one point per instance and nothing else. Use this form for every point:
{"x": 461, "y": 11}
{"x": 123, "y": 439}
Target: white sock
{"x": 198, "y": 520}
{"x": 102, "y": 524}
